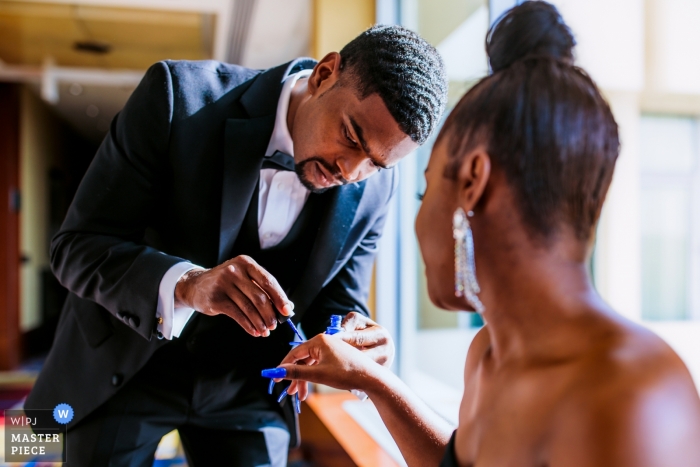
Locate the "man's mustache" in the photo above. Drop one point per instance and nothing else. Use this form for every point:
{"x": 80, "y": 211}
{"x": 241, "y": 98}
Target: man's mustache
{"x": 331, "y": 169}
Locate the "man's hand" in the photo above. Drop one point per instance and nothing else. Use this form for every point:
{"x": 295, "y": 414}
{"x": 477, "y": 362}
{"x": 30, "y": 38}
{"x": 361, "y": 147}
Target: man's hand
{"x": 369, "y": 337}
{"x": 239, "y": 288}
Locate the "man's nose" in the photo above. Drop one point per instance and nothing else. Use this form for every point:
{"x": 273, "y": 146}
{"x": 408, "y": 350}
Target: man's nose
{"x": 351, "y": 167}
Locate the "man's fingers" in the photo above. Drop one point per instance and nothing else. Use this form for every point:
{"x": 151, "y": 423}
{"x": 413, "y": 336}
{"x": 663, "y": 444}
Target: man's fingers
{"x": 230, "y": 309}
{"x": 260, "y": 301}
{"x": 248, "y": 309}
{"x": 234, "y": 282}
{"x": 270, "y": 286}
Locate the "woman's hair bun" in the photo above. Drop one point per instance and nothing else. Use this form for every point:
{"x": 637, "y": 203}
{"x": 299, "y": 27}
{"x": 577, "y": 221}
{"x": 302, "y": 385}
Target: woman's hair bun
{"x": 533, "y": 28}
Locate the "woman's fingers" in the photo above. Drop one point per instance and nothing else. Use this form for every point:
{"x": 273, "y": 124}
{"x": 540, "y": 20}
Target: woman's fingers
{"x": 305, "y": 356}
{"x": 379, "y": 354}
{"x": 303, "y": 390}
{"x": 355, "y": 320}
{"x": 365, "y": 339}
{"x": 312, "y": 373}
{"x": 299, "y": 352}
{"x": 299, "y": 386}
{"x": 328, "y": 360}
{"x": 299, "y": 356}
{"x": 364, "y": 334}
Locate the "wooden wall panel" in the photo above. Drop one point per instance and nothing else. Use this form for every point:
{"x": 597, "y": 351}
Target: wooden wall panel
{"x": 9, "y": 226}
{"x": 337, "y": 22}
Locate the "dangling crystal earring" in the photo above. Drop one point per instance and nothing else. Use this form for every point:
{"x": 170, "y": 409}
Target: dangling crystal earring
{"x": 465, "y": 268}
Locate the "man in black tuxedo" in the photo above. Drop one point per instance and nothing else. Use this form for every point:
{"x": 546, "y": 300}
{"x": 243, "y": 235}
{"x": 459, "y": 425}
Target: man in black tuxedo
{"x": 220, "y": 197}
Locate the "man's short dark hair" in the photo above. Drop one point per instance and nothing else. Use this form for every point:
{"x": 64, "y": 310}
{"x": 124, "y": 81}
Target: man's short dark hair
{"x": 406, "y": 72}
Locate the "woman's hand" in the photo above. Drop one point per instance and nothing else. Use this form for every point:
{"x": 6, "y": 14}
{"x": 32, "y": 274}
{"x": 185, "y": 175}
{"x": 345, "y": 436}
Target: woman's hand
{"x": 331, "y": 361}
{"x": 371, "y": 338}
{"x": 420, "y": 433}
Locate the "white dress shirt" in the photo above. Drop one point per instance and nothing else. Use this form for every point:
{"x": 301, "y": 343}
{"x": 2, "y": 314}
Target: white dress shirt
{"x": 281, "y": 199}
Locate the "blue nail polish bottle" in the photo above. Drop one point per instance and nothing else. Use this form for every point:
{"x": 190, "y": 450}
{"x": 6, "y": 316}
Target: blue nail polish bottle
{"x": 335, "y": 328}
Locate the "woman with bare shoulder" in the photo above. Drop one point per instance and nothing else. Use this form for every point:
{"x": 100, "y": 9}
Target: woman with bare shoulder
{"x": 515, "y": 186}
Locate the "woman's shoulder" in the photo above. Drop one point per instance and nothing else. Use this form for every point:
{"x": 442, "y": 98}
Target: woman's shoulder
{"x": 631, "y": 354}
{"x": 635, "y": 398}
{"x": 630, "y": 359}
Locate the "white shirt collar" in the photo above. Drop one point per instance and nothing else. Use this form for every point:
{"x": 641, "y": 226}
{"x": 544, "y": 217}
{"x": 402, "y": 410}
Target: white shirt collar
{"x": 281, "y": 140}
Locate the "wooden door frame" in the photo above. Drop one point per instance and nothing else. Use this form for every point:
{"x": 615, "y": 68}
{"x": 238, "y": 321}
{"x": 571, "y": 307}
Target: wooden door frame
{"x": 10, "y": 337}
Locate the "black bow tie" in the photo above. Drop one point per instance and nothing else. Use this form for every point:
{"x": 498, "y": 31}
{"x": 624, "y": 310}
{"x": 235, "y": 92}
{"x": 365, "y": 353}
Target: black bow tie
{"x": 278, "y": 161}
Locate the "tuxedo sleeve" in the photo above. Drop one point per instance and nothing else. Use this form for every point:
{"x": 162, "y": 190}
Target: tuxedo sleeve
{"x": 349, "y": 289}
{"x": 98, "y": 253}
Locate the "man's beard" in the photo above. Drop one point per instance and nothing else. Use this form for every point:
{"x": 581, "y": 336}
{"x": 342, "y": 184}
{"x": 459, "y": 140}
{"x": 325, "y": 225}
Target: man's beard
{"x": 300, "y": 170}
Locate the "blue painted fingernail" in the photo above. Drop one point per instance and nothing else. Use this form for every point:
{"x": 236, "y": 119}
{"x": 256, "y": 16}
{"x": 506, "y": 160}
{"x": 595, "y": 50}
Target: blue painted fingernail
{"x": 297, "y": 402}
{"x": 295, "y": 343}
{"x": 282, "y": 396}
{"x": 271, "y": 386}
{"x": 274, "y": 373}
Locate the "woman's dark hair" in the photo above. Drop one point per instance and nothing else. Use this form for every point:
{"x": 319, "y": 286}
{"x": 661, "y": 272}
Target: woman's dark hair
{"x": 542, "y": 120}
{"x": 406, "y": 72}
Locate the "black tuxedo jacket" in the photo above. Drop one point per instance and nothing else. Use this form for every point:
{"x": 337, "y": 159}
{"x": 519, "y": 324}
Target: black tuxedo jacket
{"x": 172, "y": 182}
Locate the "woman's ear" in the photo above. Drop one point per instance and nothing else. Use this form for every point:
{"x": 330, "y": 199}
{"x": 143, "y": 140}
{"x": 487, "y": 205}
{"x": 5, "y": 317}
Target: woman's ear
{"x": 473, "y": 177}
{"x": 325, "y": 74}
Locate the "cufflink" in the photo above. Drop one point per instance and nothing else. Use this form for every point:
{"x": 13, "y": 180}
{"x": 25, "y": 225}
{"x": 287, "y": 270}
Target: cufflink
{"x": 133, "y": 321}
{"x": 159, "y": 320}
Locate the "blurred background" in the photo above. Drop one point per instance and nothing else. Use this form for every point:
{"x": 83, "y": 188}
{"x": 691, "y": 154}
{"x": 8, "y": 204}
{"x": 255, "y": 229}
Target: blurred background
{"x": 66, "y": 68}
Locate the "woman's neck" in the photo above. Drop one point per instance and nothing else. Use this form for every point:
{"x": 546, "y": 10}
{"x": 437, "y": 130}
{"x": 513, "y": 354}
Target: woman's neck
{"x": 538, "y": 298}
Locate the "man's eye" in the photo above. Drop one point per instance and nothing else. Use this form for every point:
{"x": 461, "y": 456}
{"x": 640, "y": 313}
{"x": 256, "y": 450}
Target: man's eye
{"x": 347, "y": 136}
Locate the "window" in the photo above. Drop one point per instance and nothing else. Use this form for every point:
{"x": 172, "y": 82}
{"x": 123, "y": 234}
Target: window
{"x": 462, "y": 50}
{"x": 670, "y": 217}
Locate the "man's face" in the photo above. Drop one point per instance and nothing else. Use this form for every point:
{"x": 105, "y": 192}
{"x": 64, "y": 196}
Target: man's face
{"x": 339, "y": 138}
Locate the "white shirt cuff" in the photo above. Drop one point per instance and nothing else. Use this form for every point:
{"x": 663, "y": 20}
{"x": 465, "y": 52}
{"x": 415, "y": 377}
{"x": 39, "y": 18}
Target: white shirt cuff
{"x": 174, "y": 319}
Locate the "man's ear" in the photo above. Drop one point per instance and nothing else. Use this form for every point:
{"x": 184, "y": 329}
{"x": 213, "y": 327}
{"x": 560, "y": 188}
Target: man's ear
{"x": 472, "y": 178}
{"x": 326, "y": 73}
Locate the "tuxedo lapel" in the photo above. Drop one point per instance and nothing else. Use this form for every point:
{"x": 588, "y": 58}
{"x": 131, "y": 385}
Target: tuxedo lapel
{"x": 246, "y": 142}
{"x": 245, "y": 145}
{"x": 332, "y": 234}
